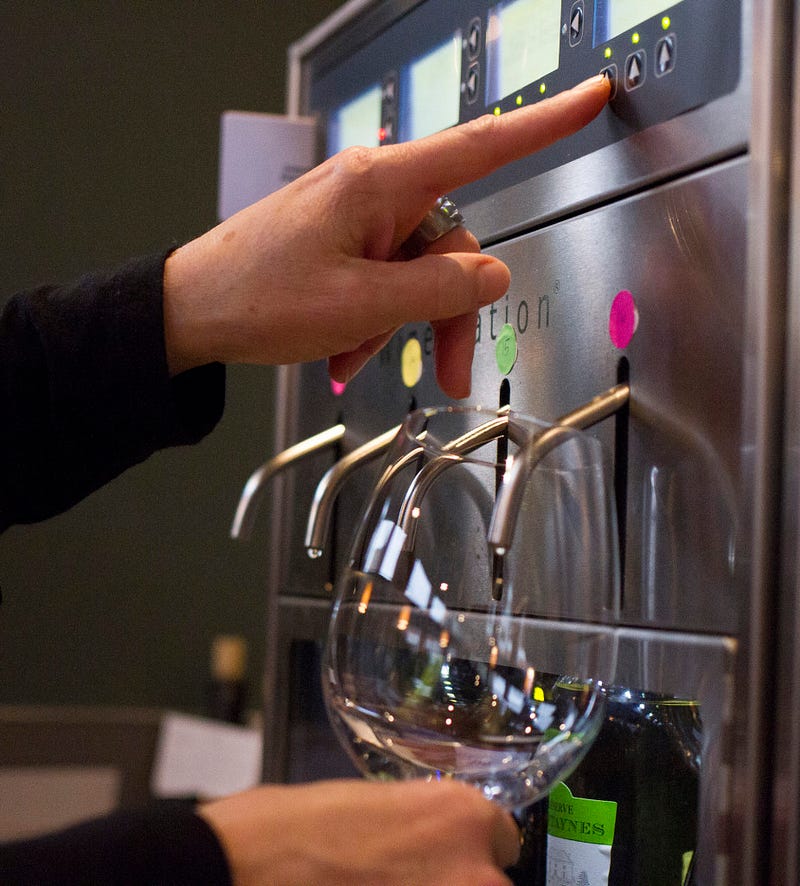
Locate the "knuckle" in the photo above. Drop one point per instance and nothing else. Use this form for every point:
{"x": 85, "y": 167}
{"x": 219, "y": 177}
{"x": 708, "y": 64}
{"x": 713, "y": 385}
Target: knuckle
{"x": 356, "y": 164}
{"x": 355, "y": 189}
{"x": 452, "y": 286}
{"x": 484, "y": 128}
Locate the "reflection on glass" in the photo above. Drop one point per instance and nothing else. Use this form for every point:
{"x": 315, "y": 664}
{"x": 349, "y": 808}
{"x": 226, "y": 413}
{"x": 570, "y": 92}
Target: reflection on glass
{"x": 436, "y": 664}
{"x": 522, "y": 44}
{"x": 356, "y": 123}
{"x": 431, "y": 93}
{"x": 612, "y": 17}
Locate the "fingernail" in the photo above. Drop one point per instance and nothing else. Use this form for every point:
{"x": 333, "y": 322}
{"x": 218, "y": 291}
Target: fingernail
{"x": 592, "y": 83}
{"x": 494, "y": 279}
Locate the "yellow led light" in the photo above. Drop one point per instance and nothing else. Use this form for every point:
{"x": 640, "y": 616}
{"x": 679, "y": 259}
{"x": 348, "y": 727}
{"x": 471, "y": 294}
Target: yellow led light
{"x": 607, "y": 52}
{"x": 497, "y": 112}
{"x": 666, "y": 22}
{"x": 635, "y": 38}
{"x": 519, "y": 100}
{"x": 542, "y": 88}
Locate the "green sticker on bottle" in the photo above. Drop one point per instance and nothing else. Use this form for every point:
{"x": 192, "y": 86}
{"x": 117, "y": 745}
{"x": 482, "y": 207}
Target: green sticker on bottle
{"x": 580, "y": 819}
{"x": 687, "y": 864}
{"x": 505, "y": 350}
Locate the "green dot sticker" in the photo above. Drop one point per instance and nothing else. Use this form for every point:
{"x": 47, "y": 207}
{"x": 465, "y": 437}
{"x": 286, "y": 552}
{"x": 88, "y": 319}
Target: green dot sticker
{"x": 506, "y": 349}
{"x": 411, "y": 362}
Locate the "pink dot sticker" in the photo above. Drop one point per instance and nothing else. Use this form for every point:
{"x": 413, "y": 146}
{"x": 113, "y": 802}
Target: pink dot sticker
{"x": 623, "y": 319}
{"x": 338, "y": 387}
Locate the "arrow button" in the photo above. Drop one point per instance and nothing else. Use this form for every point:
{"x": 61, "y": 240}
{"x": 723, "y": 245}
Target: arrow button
{"x": 665, "y": 55}
{"x": 471, "y": 86}
{"x": 576, "y": 19}
{"x": 474, "y": 38}
{"x": 635, "y": 70}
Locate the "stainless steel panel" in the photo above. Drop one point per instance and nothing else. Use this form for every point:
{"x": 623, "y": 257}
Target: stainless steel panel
{"x": 679, "y": 249}
{"x": 299, "y": 744}
{"x": 780, "y": 713}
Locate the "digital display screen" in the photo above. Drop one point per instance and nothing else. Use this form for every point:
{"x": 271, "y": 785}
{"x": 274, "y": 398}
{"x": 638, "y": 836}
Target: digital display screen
{"x": 356, "y": 123}
{"x": 613, "y": 17}
{"x": 523, "y": 41}
{"x": 431, "y": 91}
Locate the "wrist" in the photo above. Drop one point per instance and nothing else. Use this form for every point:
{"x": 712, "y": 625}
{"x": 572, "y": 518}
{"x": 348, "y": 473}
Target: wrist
{"x": 183, "y": 307}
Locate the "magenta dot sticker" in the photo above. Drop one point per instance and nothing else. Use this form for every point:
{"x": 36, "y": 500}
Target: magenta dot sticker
{"x": 623, "y": 319}
{"x": 337, "y": 387}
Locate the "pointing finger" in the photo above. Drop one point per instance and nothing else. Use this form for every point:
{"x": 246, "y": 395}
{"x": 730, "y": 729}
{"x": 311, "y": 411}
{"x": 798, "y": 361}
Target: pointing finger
{"x": 435, "y": 165}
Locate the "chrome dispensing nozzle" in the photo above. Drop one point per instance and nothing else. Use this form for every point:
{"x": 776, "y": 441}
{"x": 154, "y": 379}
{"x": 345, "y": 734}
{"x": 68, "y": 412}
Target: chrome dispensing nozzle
{"x": 246, "y": 510}
{"x": 319, "y": 516}
{"x": 451, "y": 454}
{"x": 506, "y": 507}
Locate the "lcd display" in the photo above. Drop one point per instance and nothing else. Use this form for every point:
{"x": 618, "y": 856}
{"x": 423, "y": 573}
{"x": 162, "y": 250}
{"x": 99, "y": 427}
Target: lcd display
{"x": 613, "y": 17}
{"x": 431, "y": 91}
{"x": 356, "y": 123}
{"x": 522, "y": 44}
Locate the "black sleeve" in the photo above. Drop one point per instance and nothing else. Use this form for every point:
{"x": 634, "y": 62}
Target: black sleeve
{"x": 85, "y": 392}
{"x": 166, "y": 845}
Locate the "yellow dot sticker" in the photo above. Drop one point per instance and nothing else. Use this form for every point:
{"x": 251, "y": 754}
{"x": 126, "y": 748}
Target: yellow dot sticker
{"x": 411, "y": 362}
{"x": 506, "y": 349}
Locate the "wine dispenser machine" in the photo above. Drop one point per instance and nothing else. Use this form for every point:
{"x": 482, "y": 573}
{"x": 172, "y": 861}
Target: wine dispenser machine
{"x": 654, "y": 251}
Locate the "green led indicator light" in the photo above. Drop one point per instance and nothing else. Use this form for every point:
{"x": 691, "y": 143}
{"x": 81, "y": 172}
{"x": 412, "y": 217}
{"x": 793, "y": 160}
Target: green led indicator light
{"x": 666, "y": 22}
{"x": 608, "y": 52}
{"x": 542, "y": 88}
{"x": 497, "y": 111}
{"x": 519, "y": 101}
{"x": 635, "y": 38}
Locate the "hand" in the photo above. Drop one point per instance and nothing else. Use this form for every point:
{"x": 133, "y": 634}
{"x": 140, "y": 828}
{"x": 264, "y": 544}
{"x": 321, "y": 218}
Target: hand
{"x": 312, "y": 270}
{"x": 342, "y": 833}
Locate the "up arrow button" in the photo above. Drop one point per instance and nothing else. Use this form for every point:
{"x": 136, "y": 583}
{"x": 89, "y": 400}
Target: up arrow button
{"x": 635, "y": 70}
{"x": 576, "y": 23}
{"x": 665, "y": 55}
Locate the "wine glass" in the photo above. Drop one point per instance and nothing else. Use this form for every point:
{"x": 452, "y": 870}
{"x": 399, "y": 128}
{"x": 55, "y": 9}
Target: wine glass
{"x": 449, "y": 658}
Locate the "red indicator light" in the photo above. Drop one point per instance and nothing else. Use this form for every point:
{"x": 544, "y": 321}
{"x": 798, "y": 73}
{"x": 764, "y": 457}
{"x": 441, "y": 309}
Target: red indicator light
{"x": 382, "y": 135}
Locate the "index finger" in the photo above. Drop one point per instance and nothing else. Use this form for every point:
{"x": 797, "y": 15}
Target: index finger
{"x": 432, "y": 166}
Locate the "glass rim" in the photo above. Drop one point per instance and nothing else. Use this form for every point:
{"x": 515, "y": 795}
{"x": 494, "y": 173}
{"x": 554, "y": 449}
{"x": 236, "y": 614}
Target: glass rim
{"x": 532, "y": 424}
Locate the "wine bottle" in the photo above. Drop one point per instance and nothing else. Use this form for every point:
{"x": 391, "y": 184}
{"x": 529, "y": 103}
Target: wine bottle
{"x": 227, "y": 688}
{"x": 628, "y": 814}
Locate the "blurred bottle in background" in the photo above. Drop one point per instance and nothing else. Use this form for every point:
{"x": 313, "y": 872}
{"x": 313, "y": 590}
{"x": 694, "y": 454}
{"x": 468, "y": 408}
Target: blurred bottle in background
{"x": 227, "y": 689}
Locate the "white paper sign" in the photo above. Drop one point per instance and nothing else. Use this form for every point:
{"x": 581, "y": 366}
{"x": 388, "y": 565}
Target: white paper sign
{"x": 260, "y": 153}
{"x": 205, "y": 758}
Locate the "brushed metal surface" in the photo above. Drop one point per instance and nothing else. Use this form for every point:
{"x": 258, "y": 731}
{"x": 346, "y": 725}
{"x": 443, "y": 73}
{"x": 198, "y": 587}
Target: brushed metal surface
{"x": 679, "y": 249}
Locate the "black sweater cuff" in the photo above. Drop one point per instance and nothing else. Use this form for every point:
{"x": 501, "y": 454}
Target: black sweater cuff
{"x": 85, "y": 390}
{"x": 164, "y": 845}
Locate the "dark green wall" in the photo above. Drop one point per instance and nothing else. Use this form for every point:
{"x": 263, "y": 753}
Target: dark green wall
{"x": 109, "y": 118}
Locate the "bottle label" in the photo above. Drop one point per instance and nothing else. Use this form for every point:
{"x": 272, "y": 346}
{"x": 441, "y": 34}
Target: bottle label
{"x": 580, "y": 833}
{"x": 687, "y": 866}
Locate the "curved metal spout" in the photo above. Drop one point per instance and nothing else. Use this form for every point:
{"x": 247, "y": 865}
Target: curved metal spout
{"x": 450, "y": 456}
{"x": 246, "y": 510}
{"x": 506, "y": 508}
{"x": 319, "y": 516}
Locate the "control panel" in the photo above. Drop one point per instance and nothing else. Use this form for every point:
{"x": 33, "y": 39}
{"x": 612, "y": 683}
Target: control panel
{"x": 444, "y": 62}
